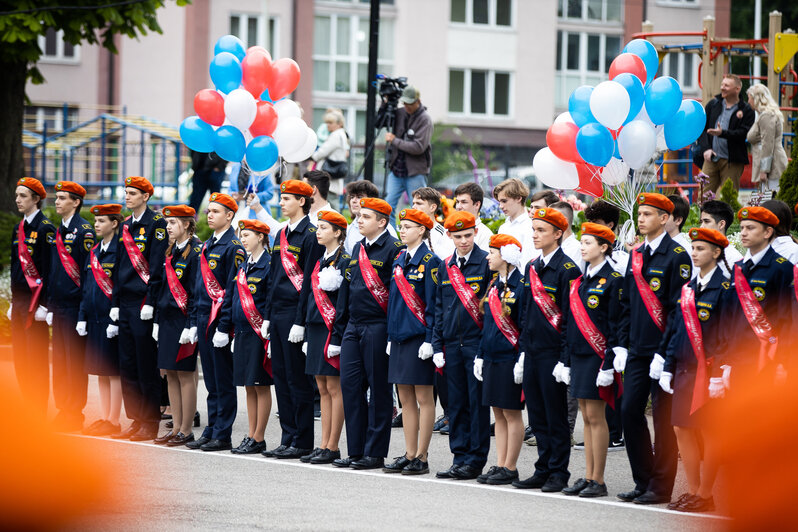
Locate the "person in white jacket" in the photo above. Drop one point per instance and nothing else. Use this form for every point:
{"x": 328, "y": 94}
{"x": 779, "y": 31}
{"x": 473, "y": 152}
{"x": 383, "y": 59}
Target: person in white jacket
{"x": 468, "y": 197}
{"x": 334, "y": 151}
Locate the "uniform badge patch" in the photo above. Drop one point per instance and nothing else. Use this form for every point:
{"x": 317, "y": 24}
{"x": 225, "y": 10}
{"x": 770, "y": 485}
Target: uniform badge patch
{"x": 160, "y": 234}
{"x": 252, "y": 288}
{"x": 684, "y": 271}
{"x": 593, "y": 301}
{"x": 655, "y": 283}
{"x": 212, "y": 264}
{"x": 759, "y": 292}
{"x": 238, "y": 260}
{"x": 179, "y": 272}
{"x": 475, "y": 287}
{"x": 50, "y": 238}
{"x": 703, "y": 314}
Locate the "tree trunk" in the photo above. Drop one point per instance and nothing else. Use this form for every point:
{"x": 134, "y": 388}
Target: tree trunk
{"x": 12, "y": 104}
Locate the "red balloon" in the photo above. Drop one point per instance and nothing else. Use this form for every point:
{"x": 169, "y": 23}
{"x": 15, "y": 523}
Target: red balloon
{"x": 589, "y": 180}
{"x": 265, "y": 120}
{"x": 209, "y": 106}
{"x": 561, "y": 139}
{"x": 630, "y": 63}
{"x": 258, "y": 49}
{"x": 285, "y": 78}
{"x": 256, "y": 71}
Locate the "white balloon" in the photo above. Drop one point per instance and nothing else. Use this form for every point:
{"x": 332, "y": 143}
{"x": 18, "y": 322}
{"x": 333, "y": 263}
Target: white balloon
{"x": 643, "y": 115}
{"x": 615, "y": 172}
{"x": 286, "y": 108}
{"x": 240, "y": 108}
{"x": 609, "y": 103}
{"x": 564, "y": 117}
{"x": 290, "y": 135}
{"x": 553, "y": 171}
{"x": 307, "y": 149}
{"x": 636, "y": 143}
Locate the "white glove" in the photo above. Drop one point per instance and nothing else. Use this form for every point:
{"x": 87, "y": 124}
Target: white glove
{"x": 656, "y": 367}
{"x": 557, "y": 372}
{"x": 114, "y": 314}
{"x": 264, "y": 329}
{"x": 439, "y": 360}
{"x": 185, "y": 336}
{"x": 269, "y": 351}
{"x": 565, "y": 375}
{"x": 49, "y": 319}
{"x": 8, "y": 314}
{"x": 146, "y": 312}
{"x": 605, "y": 377}
{"x": 155, "y": 331}
{"x": 619, "y": 363}
{"x": 296, "y": 334}
{"x": 726, "y": 376}
{"x": 388, "y": 349}
{"x": 41, "y": 314}
{"x": 112, "y": 331}
{"x": 518, "y": 369}
{"x": 478, "y": 368}
{"x": 333, "y": 351}
{"x": 304, "y": 348}
{"x": 81, "y": 328}
{"x": 425, "y": 351}
{"x": 716, "y": 389}
{"x": 665, "y": 382}
{"x": 220, "y": 339}
{"x": 193, "y": 338}
{"x": 233, "y": 346}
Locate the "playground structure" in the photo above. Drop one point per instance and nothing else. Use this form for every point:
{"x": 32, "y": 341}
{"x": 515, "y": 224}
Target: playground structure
{"x": 777, "y": 52}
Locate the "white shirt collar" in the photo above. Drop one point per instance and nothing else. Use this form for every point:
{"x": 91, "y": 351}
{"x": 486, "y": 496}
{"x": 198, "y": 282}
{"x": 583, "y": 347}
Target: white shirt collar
{"x": 325, "y": 207}
{"x": 66, "y": 221}
{"x": 411, "y": 252}
{"x": 328, "y": 254}
{"x": 253, "y": 259}
{"x": 545, "y": 259}
{"x": 293, "y": 226}
{"x": 466, "y": 256}
{"x": 704, "y": 281}
{"x": 104, "y": 246}
{"x": 370, "y": 242}
{"x": 654, "y": 244}
{"x": 29, "y": 218}
{"x": 219, "y": 234}
{"x": 181, "y": 245}
{"x": 520, "y": 218}
{"x": 133, "y": 218}
{"x": 756, "y": 258}
{"x": 593, "y": 271}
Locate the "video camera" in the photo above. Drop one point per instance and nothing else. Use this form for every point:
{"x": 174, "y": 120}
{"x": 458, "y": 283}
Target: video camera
{"x": 390, "y": 91}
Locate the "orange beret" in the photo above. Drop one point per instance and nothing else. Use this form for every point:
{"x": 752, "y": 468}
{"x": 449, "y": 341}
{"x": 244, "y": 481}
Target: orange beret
{"x": 552, "y": 216}
{"x": 333, "y": 217}
{"x": 71, "y": 187}
{"x": 501, "y": 240}
{"x": 107, "y": 209}
{"x": 376, "y": 204}
{"x": 460, "y": 221}
{"x": 415, "y": 215}
{"x": 598, "y": 230}
{"x": 712, "y": 236}
{"x": 652, "y": 199}
{"x": 293, "y": 186}
{"x": 34, "y": 184}
{"x": 254, "y": 225}
{"x": 758, "y": 214}
{"x": 141, "y": 183}
{"x": 180, "y": 211}
{"x": 224, "y": 200}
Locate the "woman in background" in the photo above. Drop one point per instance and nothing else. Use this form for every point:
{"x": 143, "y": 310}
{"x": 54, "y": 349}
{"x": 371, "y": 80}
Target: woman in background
{"x": 768, "y": 156}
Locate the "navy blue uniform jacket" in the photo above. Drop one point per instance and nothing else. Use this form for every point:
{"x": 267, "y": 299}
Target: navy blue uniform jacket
{"x": 39, "y": 237}
{"x": 78, "y": 240}
{"x": 150, "y": 236}
{"x": 422, "y": 274}
{"x": 495, "y": 347}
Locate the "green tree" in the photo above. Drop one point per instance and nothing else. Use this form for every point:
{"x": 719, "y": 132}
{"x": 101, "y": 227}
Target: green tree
{"x": 21, "y": 24}
{"x": 788, "y": 184}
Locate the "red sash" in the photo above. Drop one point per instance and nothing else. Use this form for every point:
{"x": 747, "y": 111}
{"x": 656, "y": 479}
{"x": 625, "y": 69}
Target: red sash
{"x": 134, "y": 253}
{"x": 695, "y": 334}
{"x": 100, "y": 277}
{"x": 212, "y": 287}
{"x": 69, "y": 264}
{"x": 653, "y": 305}
{"x": 504, "y": 323}
{"x": 594, "y": 338}
{"x": 467, "y": 296}
{"x": 327, "y": 311}
{"x": 372, "y": 280}
{"x": 545, "y": 303}
{"x": 795, "y": 280}
{"x": 412, "y": 299}
{"x": 181, "y": 298}
{"x": 253, "y": 316}
{"x": 30, "y": 272}
{"x": 759, "y": 323}
{"x": 289, "y": 263}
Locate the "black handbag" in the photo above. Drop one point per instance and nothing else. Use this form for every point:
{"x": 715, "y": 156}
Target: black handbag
{"x": 336, "y": 169}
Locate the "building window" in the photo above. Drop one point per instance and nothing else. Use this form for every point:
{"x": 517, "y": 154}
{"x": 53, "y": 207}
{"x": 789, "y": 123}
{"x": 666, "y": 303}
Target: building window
{"x": 57, "y": 118}
{"x": 482, "y": 12}
{"x": 480, "y": 92}
{"x": 250, "y": 29}
{"x": 683, "y": 68}
{"x": 54, "y": 48}
{"x": 590, "y": 10}
{"x": 582, "y": 59}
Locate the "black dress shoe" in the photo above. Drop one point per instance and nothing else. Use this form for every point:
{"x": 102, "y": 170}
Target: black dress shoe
{"x": 145, "y": 433}
{"x": 252, "y": 447}
{"x": 368, "y": 462}
{"x": 199, "y": 442}
{"x": 308, "y": 457}
{"x": 535, "y": 482}
{"x": 578, "y": 486}
{"x": 217, "y": 445}
{"x": 503, "y": 476}
{"x": 278, "y": 449}
{"x": 594, "y": 490}
{"x": 396, "y": 423}
{"x": 466, "y": 472}
{"x": 554, "y": 484}
{"x": 483, "y": 478}
{"x": 417, "y": 466}
{"x": 89, "y": 430}
{"x": 445, "y": 428}
{"x": 650, "y": 497}
{"x": 674, "y": 505}
{"x": 169, "y": 424}
{"x": 292, "y": 453}
{"x": 196, "y": 419}
{"x": 629, "y": 496}
{"x": 127, "y": 433}
{"x": 399, "y": 463}
{"x": 697, "y": 504}
{"x": 326, "y": 456}
{"x": 448, "y": 473}
{"x": 345, "y": 462}
{"x": 180, "y": 439}
{"x": 160, "y": 440}
{"x": 244, "y": 442}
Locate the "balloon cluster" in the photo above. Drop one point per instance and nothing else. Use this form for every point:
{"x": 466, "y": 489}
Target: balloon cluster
{"x": 620, "y": 122}
{"x": 248, "y": 117}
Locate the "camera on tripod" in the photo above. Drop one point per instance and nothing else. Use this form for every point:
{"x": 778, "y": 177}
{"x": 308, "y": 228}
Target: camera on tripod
{"x": 390, "y": 91}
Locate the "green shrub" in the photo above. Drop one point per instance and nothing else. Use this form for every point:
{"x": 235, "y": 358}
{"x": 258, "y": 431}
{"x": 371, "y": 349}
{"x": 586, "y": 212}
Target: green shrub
{"x": 729, "y": 195}
{"x": 788, "y": 184}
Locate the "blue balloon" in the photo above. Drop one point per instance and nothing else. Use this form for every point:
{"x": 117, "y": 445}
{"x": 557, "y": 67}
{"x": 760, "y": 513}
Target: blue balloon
{"x": 686, "y": 125}
{"x": 229, "y": 144}
{"x": 264, "y": 96}
{"x": 197, "y": 135}
{"x": 636, "y": 93}
{"x": 645, "y": 51}
{"x": 225, "y": 72}
{"x": 595, "y": 144}
{"x": 579, "y": 105}
{"x": 616, "y": 152}
{"x": 262, "y": 153}
{"x": 232, "y": 44}
{"x": 663, "y": 98}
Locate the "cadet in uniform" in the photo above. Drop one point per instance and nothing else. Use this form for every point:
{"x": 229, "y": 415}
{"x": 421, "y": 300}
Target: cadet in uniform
{"x": 411, "y": 318}
{"x": 31, "y": 241}
{"x": 361, "y": 338}
{"x": 74, "y": 239}
{"x": 657, "y": 270}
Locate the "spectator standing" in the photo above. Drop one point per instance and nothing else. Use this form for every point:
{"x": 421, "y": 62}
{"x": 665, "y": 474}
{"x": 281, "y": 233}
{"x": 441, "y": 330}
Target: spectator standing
{"x": 333, "y": 154}
{"x": 768, "y": 156}
{"x": 208, "y": 176}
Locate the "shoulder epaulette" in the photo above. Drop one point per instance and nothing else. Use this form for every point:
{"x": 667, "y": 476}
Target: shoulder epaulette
{"x": 678, "y": 249}
{"x": 616, "y": 274}
{"x": 398, "y": 243}
{"x": 158, "y": 216}
{"x": 427, "y": 257}
{"x": 568, "y": 265}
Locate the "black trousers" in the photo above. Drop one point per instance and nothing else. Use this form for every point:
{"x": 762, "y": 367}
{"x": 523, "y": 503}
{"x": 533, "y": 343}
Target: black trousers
{"x": 217, "y": 372}
{"x": 138, "y": 367}
{"x": 614, "y": 419}
{"x": 469, "y": 420}
{"x": 31, "y": 346}
{"x": 654, "y": 471}
{"x": 70, "y": 381}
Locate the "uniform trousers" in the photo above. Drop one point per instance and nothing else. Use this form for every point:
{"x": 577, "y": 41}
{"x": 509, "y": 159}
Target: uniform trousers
{"x": 31, "y": 356}
{"x": 217, "y": 372}
{"x": 138, "y": 366}
{"x": 70, "y": 382}
{"x": 469, "y": 421}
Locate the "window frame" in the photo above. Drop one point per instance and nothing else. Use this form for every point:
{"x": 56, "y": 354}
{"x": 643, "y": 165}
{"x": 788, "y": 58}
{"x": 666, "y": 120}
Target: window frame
{"x": 490, "y": 94}
{"x": 563, "y": 7}
{"x": 263, "y": 32}
{"x": 582, "y": 72}
{"x": 59, "y": 57}
{"x": 665, "y": 64}
{"x": 492, "y": 6}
